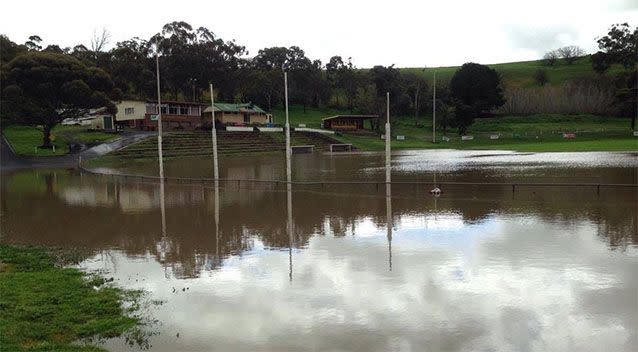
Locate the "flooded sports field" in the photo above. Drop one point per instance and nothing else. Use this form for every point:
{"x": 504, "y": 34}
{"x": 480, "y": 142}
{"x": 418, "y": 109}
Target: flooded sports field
{"x": 492, "y": 264}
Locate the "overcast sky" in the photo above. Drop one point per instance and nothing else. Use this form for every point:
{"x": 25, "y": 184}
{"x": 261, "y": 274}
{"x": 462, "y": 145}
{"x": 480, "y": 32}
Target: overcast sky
{"x": 401, "y": 32}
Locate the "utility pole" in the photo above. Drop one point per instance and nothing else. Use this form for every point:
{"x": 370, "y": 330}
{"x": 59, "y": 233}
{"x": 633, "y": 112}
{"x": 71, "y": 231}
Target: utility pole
{"x": 287, "y": 127}
{"x": 159, "y": 122}
{"x": 434, "y": 110}
{"x": 388, "y": 184}
{"x": 214, "y": 134}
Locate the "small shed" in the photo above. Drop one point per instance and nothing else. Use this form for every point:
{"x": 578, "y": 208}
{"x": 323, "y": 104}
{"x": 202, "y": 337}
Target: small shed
{"x": 346, "y": 122}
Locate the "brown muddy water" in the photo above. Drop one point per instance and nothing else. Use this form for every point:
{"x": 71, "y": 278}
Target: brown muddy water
{"x": 480, "y": 268}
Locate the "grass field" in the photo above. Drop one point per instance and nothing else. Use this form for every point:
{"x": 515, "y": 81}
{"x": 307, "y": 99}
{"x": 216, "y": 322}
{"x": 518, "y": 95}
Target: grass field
{"x": 524, "y": 133}
{"x": 46, "y": 307}
{"x": 25, "y": 139}
{"x": 521, "y": 74}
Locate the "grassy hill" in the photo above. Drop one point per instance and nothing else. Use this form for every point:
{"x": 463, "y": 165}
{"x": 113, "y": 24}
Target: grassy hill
{"x": 521, "y": 74}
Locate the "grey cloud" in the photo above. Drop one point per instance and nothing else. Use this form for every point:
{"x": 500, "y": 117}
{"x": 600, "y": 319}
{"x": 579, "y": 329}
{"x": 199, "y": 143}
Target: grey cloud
{"x": 539, "y": 39}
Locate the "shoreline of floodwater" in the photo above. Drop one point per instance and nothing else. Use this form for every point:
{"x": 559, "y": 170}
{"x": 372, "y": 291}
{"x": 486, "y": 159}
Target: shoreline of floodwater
{"x": 47, "y": 305}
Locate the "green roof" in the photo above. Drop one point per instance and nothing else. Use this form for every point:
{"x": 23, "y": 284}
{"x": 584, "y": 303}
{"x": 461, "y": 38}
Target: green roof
{"x": 246, "y": 107}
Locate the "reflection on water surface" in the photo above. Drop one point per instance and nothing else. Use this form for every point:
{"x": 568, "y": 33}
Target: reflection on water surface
{"x": 475, "y": 269}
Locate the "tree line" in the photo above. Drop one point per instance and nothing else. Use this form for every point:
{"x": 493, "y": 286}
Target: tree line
{"x": 191, "y": 58}
{"x": 42, "y": 85}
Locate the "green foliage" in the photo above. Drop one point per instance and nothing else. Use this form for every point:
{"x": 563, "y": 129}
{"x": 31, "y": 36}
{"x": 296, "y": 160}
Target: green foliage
{"x": 44, "y": 307}
{"x": 619, "y": 46}
{"x": 475, "y": 89}
{"x": 43, "y": 88}
{"x": 541, "y": 77}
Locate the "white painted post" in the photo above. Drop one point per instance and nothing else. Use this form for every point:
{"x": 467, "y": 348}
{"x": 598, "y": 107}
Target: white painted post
{"x": 388, "y": 215}
{"x": 163, "y": 208}
{"x": 388, "y": 180}
{"x": 387, "y": 140}
{"x": 287, "y": 127}
{"x": 217, "y": 220}
{"x": 214, "y": 134}
{"x": 159, "y": 123}
{"x": 434, "y": 110}
{"x": 290, "y": 228}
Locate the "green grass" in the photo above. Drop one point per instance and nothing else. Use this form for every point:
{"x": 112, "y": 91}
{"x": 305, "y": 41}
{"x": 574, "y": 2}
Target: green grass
{"x": 517, "y": 132}
{"x": 521, "y": 74}
{"x": 25, "y": 139}
{"x": 597, "y": 142}
{"x": 46, "y": 307}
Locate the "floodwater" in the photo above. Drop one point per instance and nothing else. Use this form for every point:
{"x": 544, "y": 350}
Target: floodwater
{"x": 358, "y": 267}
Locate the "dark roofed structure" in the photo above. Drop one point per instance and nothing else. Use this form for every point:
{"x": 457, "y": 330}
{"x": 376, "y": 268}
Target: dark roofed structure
{"x": 346, "y": 122}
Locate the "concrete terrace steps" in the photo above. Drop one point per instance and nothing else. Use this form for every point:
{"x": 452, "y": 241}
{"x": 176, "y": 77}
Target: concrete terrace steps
{"x": 200, "y": 143}
{"x": 320, "y": 141}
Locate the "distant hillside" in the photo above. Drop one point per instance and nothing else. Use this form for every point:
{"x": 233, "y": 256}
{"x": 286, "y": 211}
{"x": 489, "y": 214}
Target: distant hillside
{"x": 521, "y": 74}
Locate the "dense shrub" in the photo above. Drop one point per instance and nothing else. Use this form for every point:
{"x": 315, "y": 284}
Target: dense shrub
{"x": 570, "y": 98}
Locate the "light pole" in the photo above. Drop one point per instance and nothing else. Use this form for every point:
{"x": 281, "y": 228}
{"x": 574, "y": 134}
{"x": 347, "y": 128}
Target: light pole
{"x": 387, "y": 139}
{"x": 434, "y": 109}
{"x": 214, "y": 134}
{"x": 159, "y": 121}
{"x": 287, "y": 127}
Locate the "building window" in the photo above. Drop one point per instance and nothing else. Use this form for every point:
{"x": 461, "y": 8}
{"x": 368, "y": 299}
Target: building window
{"x": 246, "y": 118}
{"x": 129, "y": 111}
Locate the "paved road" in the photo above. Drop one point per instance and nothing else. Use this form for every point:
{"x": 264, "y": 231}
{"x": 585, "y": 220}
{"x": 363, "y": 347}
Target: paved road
{"x": 10, "y": 161}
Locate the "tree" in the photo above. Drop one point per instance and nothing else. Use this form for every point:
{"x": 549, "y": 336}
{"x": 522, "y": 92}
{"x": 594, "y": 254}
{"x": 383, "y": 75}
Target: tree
{"x": 600, "y": 62}
{"x": 368, "y": 102}
{"x": 627, "y": 95}
{"x": 540, "y": 76}
{"x": 550, "y": 58}
{"x": 414, "y": 86}
{"x": 620, "y": 46}
{"x": 45, "y": 88}
{"x": 33, "y": 44}
{"x": 99, "y": 40}
{"x": 9, "y": 49}
{"x": 570, "y": 53}
{"x": 475, "y": 89}
{"x": 343, "y": 79}
{"x": 130, "y": 66}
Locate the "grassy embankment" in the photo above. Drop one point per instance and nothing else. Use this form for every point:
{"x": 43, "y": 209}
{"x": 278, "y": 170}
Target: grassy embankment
{"x": 521, "y": 74}
{"x": 47, "y": 307}
{"x": 25, "y": 139}
{"x": 522, "y": 133}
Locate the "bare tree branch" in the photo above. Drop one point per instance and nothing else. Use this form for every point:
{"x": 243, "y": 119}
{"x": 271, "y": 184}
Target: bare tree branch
{"x": 99, "y": 40}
